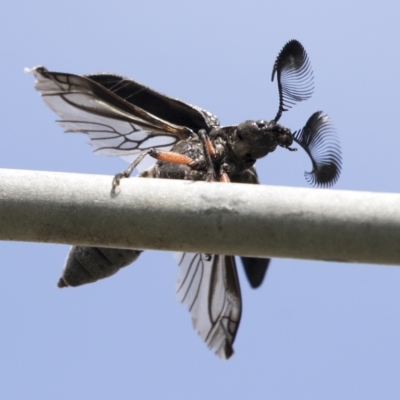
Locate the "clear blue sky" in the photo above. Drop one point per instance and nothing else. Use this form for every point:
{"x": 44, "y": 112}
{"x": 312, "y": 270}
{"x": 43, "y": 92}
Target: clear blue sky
{"x": 313, "y": 330}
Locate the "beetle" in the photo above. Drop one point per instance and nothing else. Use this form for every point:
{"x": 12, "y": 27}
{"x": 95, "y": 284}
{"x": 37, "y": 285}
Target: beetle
{"x": 125, "y": 118}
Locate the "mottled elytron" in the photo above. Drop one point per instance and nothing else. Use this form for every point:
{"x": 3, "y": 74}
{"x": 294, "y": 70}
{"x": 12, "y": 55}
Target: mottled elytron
{"x": 125, "y": 118}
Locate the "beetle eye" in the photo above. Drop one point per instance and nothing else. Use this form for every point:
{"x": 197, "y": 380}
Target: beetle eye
{"x": 261, "y": 123}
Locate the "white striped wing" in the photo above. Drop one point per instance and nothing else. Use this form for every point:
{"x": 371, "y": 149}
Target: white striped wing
{"x": 115, "y": 126}
{"x": 210, "y": 287}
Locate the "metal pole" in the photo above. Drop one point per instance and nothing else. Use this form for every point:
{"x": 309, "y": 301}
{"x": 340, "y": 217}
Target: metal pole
{"x": 213, "y": 218}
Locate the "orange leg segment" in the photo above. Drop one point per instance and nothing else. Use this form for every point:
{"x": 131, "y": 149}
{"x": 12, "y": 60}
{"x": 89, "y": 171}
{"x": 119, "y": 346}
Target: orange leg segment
{"x": 224, "y": 178}
{"x": 171, "y": 157}
{"x": 210, "y": 147}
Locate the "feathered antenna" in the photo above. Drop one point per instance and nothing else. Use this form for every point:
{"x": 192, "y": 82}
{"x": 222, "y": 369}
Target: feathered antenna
{"x": 318, "y": 138}
{"x": 294, "y": 75}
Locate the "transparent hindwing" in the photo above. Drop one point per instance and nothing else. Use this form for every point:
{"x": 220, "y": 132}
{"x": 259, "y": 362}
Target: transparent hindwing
{"x": 121, "y": 117}
{"x": 209, "y": 286}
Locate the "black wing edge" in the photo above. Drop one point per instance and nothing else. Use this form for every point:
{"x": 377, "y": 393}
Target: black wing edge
{"x": 294, "y": 75}
{"x": 318, "y": 138}
{"x": 167, "y": 108}
{"x": 232, "y": 289}
{"x": 255, "y": 269}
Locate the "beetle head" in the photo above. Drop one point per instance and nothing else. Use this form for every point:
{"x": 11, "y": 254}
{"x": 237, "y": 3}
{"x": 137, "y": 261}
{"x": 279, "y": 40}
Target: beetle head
{"x": 255, "y": 139}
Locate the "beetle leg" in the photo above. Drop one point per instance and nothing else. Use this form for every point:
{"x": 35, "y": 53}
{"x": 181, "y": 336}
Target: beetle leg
{"x": 209, "y": 152}
{"x": 223, "y": 175}
{"x": 224, "y": 178}
{"x": 176, "y": 158}
{"x": 127, "y": 173}
{"x": 167, "y": 156}
{"x": 209, "y": 146}
{"x": 170, "y": 156}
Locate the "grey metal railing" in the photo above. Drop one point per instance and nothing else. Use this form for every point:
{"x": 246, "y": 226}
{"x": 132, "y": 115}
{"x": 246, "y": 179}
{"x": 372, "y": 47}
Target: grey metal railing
{"x": 212, "y": 218}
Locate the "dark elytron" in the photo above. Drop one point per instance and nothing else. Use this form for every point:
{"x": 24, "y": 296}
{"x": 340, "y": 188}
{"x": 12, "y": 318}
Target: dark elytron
{"x": 124, "y": 118}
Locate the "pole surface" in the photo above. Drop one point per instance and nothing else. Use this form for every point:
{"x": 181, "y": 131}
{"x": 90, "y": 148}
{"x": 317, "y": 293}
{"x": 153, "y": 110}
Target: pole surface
{"x": 212, "y": 218}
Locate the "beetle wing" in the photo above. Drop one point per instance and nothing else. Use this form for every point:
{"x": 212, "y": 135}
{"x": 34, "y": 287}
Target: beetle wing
{"x": 209, "y": 286}
{"x": 174, "y": 111}
{"x": 105, "y": 108}
{"x": 255, "y": 269}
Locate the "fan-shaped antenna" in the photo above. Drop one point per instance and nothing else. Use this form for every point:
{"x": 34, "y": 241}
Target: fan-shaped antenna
{"x": 318, "y": 138}
{"x": 294, "y": 75}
